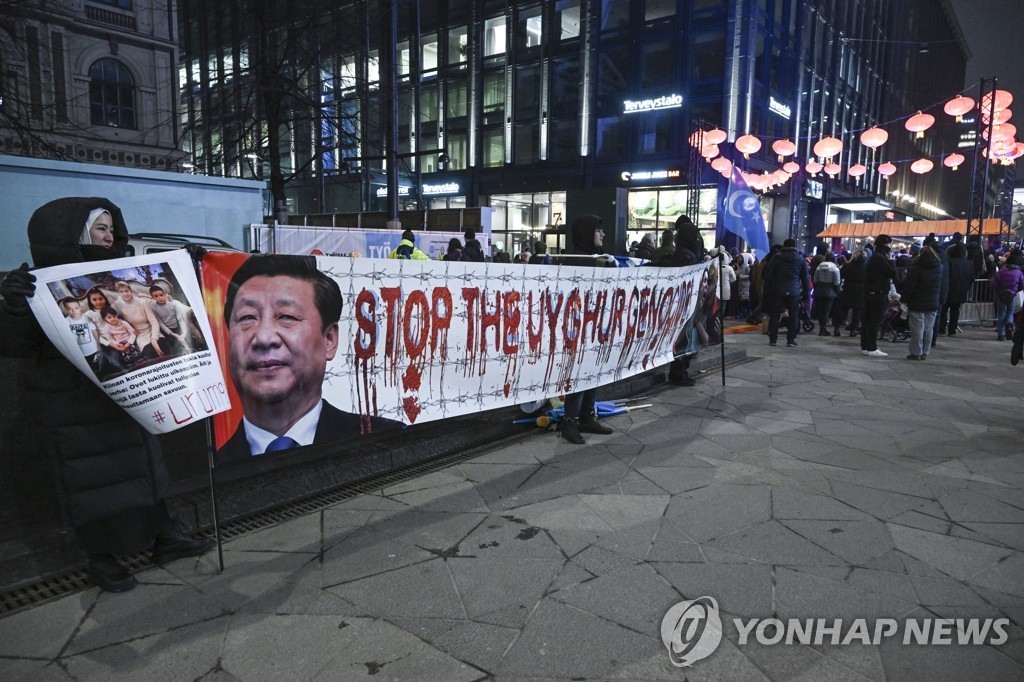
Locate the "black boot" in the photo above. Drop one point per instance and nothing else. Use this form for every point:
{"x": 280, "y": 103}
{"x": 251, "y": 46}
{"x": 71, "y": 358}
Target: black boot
{"x": 173, "y": 542}
{"x": 569, "y": 427}
{"x": 590, "y": 424}
{"x": 108, "y": 574}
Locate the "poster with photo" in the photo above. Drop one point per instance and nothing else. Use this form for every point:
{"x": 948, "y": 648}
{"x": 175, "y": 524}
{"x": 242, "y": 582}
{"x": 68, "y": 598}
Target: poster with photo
{"x": 137, "y": 327}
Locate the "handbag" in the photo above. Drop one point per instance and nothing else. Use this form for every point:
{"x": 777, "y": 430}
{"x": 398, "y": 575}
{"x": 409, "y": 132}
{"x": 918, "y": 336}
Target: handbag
{"x": 1018, "y": 302}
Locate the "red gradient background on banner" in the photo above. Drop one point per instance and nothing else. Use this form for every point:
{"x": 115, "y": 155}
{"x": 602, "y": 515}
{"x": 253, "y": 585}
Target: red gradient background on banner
{"x": 215, "y": 273}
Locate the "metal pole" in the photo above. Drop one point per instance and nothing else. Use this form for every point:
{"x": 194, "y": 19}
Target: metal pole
{"x": 213, "y": 494}
{"x": 721, "y": 307}
{"x": 390, "y": 93}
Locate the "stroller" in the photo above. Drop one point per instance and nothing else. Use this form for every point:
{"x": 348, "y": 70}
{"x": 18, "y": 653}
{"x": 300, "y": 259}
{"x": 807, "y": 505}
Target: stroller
{"x": 895, "y": 324}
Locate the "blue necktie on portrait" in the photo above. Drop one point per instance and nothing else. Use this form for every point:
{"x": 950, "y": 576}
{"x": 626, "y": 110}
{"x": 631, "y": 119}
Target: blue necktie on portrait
{"x": 281, "y": 443}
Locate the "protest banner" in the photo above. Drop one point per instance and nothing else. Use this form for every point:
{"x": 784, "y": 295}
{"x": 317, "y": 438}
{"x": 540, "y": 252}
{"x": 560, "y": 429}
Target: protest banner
{"x": 137, "y": 328}
{"x": 417, "y": 341}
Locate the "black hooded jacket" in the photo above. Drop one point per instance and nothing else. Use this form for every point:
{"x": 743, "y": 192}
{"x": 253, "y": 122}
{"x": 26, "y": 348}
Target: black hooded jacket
{"x": 921, "y": 287}
{"x": 110, "y": 469}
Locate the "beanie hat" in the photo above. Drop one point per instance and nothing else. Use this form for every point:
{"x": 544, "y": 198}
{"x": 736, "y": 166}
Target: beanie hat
{"x": 789, "y": 244}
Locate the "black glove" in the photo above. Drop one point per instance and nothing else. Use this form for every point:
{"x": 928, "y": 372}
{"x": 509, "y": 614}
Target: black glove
{"x": 196, "y": 251}
{"x": 16, "y": 287}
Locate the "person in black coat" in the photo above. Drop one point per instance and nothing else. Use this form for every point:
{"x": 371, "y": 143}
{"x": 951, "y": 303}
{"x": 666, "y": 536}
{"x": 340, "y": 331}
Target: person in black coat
{"x": 920, "y": 291}
{"x": 879, "y": 273}
{"x": 961, "y": 279}
{"x": 852, "y": 296}
{"x": 688, "y": 250}
{"x": 111, "y": 471}
{"x": 786, "y": 284}
{"x": 454, "y": 252}
{"x": 581, "y": 407}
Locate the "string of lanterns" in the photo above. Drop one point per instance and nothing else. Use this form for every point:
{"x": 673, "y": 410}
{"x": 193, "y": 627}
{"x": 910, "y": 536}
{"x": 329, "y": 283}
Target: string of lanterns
{"x": 1004, "y": 146}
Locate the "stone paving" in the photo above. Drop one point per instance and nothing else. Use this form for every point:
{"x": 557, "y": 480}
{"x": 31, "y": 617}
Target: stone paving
{"x": 818, "y": 483}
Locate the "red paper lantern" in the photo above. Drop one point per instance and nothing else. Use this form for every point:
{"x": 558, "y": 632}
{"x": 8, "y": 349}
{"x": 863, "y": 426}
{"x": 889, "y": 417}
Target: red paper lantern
{"x": 1001, "y": 117}
{"x": 714, "y": 136}
{"x": 783, "y": 148}
{"x": 827, "y": 147}
{"x": 722, "y": 165}
{"x": 1003, "y": 100}
{"x": 832, "y": 169}
{"x": 813, "y": 167}
{"x": 857, "y": 170}
{"x": 748, "y": 144}
{"x": 958, "y": 106}
{"x": 886, "y": 169}
{"x": 922, "y": 166}
{"x": 1003, "y": 133}
{"x": 918, "y": 123}
{"x": 709, "y": 151}
{"x": 792, "y": 167}
{"x": 953, "y": 161}
{"x": 873, "y": 137}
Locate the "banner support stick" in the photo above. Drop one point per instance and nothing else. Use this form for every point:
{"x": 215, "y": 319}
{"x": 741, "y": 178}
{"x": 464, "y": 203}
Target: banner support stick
{"x": 213, "y": 495}
{"x": 721, "y": 307}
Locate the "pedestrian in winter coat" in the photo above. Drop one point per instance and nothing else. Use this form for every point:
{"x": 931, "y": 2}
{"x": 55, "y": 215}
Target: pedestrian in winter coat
{"x": 1005, "y": 285}
{"x": 454, "y": 252}
{"x": 111, "y": 471}
{"x": 581, "y": 408}
{"x": 668, "y": 246}
{"x": 961, "y": 279}
{"x": 827, "y": 281}
{"x": 879, "y": 273}
{"x": 786, "y": 284}
{"x": 645, "y": 249}
{"x": 920, "y": 291}
{"x": 852, "y": 296}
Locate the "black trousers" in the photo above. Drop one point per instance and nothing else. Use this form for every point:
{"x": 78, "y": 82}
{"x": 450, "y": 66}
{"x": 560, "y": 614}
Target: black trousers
{"x": 874, "y": 306}
{"x": 791, "y": 304}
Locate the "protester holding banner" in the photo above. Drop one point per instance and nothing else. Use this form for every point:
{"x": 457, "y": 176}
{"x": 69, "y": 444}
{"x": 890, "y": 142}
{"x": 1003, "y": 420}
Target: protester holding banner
{"x": 688, "y": 250}
{"x": 282, "y": 316}
{"x": 580, "y": 408}
{"x": 111, "y": 471}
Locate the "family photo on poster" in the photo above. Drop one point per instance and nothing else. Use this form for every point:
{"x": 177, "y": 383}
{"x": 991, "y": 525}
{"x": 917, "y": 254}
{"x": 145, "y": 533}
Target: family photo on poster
{"x": 137, "y": 327}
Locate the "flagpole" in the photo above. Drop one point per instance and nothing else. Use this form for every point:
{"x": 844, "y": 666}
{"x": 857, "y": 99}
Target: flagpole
{"x": 721, "y": 307}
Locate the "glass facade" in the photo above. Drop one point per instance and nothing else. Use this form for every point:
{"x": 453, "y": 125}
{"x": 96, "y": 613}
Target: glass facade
{"x": 536, "y": 97}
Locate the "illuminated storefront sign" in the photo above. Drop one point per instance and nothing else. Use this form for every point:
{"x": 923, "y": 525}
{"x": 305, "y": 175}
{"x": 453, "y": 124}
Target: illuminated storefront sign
{"x": 403, "y": 191}
{"x": 640, "y": 176}
{"x": 443, "y": 188}
{"x": 630, "y": 106}
{"x": 777, "y": 107}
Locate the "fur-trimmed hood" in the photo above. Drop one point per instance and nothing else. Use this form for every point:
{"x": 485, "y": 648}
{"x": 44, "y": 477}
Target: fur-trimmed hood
{"x": 54, "y": 231}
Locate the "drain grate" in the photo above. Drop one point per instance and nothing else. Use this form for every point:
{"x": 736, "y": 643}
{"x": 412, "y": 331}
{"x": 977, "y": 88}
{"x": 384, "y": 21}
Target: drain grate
{"x": 49, "y": 589}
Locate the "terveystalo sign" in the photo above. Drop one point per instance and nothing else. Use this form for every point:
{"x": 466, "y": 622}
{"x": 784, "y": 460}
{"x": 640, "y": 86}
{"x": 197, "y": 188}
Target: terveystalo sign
{"x": 630, "y": 106}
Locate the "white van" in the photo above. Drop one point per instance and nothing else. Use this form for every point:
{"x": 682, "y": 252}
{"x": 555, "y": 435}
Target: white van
{"x": 154, "y": 242}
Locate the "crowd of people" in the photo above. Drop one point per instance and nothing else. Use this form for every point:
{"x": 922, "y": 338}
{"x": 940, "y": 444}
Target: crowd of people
{"x": 917, "y": 290}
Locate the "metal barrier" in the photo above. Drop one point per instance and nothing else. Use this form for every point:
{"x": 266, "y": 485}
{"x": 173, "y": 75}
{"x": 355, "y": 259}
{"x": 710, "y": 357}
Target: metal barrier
{"x": 980, "y": 308}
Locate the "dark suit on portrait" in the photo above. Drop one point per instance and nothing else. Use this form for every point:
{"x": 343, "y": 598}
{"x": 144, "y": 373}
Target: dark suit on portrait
{"x": 334, "y": 425}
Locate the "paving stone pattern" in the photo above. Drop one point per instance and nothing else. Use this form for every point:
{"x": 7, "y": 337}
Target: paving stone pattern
{"x": 818, "y": 483}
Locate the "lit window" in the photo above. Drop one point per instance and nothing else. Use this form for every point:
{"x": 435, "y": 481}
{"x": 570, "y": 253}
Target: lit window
{"x": 429, "y": 53}
{"x": 111, "y": 95}
{"x": 528, "y": 28}
{"x": 568, "y": 18}
{"x": 457, "y": 42}
{"x": 494, "y": 36}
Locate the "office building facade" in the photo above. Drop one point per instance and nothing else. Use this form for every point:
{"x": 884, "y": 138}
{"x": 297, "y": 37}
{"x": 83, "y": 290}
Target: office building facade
{"x": 545, "y": 110}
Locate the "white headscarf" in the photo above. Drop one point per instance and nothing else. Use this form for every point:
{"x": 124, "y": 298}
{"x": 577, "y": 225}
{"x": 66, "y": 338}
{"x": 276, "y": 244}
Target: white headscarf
{"x": 86, "y": 238}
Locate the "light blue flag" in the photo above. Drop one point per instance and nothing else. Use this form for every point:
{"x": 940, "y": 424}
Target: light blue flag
{"x": 743, "y": 215}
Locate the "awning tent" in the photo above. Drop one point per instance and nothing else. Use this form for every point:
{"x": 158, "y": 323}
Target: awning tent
{"x": 915, "y": 228}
